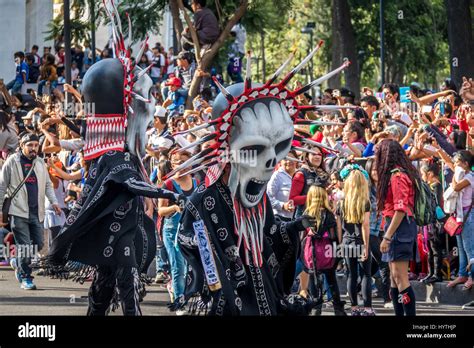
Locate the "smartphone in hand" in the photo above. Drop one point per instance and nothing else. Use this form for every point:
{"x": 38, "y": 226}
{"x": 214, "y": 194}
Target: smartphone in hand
{"x": 426, "y": 109}
{"x": 405, "y": 94}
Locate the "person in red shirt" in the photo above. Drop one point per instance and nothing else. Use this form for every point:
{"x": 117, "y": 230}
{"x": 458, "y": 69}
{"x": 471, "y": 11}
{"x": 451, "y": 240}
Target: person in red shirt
{"x": 311, "y": 172}
{"x": 396, "y": 201}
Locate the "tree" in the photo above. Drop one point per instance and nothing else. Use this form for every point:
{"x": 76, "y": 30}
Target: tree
{"x": 261, "y": 18}
{"x": 80, "y": 22}
{"x": 461, "y": 45}
{"x": 344, "y": 46}
{"x": 146, "y": 17}
{"x": 208, "y": 56}
{"x": 283, "y": 34}
{"x": 415, "y": 40}
{"x": 177, "y": 24}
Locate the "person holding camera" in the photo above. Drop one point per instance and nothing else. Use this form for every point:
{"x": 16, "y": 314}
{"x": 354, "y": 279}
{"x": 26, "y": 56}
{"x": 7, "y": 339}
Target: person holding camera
{"x": 27, "y": 174}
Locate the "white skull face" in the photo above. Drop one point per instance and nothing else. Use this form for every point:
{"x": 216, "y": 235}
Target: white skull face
{"x": 260, "y": 138}
{"x": 142, "y": 117}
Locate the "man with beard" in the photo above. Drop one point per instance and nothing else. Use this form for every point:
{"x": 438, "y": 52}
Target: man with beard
{"x": 28, "y": 204}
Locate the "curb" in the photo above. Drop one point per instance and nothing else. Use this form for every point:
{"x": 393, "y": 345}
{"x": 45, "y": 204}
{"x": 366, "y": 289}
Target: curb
{"x": 430, "y": 293}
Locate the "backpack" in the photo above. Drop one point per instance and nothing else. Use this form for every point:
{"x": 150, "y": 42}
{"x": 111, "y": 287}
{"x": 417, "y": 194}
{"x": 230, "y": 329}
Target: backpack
{"x": 425, "y": 203}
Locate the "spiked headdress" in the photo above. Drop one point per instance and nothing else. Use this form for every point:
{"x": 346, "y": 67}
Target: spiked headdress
{"x": 213, "y": 159}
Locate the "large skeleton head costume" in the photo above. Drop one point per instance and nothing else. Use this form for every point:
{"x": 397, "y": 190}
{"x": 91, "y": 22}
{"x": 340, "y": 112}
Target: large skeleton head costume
{"x": 260, "y": 138}
{"x": 253, "y": 130}
{"x": 119, "y": 95}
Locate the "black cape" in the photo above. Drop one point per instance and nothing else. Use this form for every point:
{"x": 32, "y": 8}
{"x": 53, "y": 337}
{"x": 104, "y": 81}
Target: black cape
{"x": 107, "y": 225}
{"x": 246, "y": 289}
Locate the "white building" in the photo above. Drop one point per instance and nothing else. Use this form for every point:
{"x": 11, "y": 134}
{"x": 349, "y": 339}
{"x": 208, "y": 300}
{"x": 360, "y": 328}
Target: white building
{"x": 23, "y": 23}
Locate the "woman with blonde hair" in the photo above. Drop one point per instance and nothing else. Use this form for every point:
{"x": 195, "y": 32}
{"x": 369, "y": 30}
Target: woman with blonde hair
{"x": 353, "y": 217}
{"x": 318, "y": 253}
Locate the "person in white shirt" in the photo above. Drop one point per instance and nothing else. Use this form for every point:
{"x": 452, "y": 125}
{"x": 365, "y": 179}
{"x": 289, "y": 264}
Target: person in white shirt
{"x": 159, "y": 63}
{"x": 279, "y": 188}
{"x": 74, "y": 71}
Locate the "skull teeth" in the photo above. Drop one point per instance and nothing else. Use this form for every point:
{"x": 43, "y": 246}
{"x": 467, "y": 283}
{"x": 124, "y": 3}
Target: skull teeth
{"x": 252, "y": 198}
{"x": 258, "y": 181}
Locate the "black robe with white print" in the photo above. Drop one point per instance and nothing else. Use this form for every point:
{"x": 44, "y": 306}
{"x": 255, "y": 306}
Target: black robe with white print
{"x": 107, "y": 225}
{"x": 246, "y": 289}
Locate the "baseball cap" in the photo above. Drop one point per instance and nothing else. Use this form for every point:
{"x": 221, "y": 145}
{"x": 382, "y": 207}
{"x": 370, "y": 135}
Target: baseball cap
{"x": 27, "y": 137}
{"x": 174, "y": 81}
{"x": 159, "y": 111}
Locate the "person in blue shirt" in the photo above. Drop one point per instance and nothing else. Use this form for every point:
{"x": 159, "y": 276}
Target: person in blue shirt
{"x": 22, "y": 71}
{"x": 175, "y": 101}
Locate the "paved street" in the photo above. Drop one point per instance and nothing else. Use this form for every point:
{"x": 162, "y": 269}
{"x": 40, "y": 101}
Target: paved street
{"x": 55, "y": 297}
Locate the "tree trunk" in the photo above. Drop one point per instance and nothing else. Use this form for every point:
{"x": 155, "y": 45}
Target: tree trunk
{"x": 461, "y": 45}
{"x": 344, "y": 46}
{"x": 177, "y": 25}
{"x": 209, "y": 55}
{"x": 192, "y": 30}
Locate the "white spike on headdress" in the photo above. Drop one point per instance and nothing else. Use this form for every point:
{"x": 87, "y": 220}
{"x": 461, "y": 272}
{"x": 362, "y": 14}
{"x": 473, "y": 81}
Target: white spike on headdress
{"x": 326, "y": 107}
{"x": 223, "y": 90}
{"x": 201, "y": 126}
{"x": 143, "y": 72}
{"x": 292, "y": 159}
{"x": 116, "y": 14}
{"x": 322, "y": 79}
{"x": 302, "y": 64}
{"x": 319, "y": 123}
{"x": 198, "y": 142}
{"x": 142, "y": 50}
{"x": 302, "y": 149}
{"x": 317, "y": 144}
{"x": 200, "y": 157}
{"x": 280, "y": 69}
{"x": 139, "y": 97}
{"x": 197, "y": 169}
{"x": 248, "y": 72}
{"x": 129, "y": 39}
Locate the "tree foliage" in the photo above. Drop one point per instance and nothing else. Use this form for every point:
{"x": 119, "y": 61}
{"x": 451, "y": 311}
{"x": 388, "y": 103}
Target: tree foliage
{"x": 416, "y": 44}
{"x": 146, "y": 16}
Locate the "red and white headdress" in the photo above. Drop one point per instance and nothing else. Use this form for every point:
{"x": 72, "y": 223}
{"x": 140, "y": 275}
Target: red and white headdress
{"x": 214, "y": 158}
{"x": 249, "y": 212}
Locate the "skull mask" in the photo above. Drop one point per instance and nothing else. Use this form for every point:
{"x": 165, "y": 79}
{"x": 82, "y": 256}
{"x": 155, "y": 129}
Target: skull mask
{"x": 260, "y": 137}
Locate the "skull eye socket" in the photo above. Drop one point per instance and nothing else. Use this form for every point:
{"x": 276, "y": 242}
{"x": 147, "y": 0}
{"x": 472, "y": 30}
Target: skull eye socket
{"x": 254, "y": 148}
{"x": 282, "y": 145}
